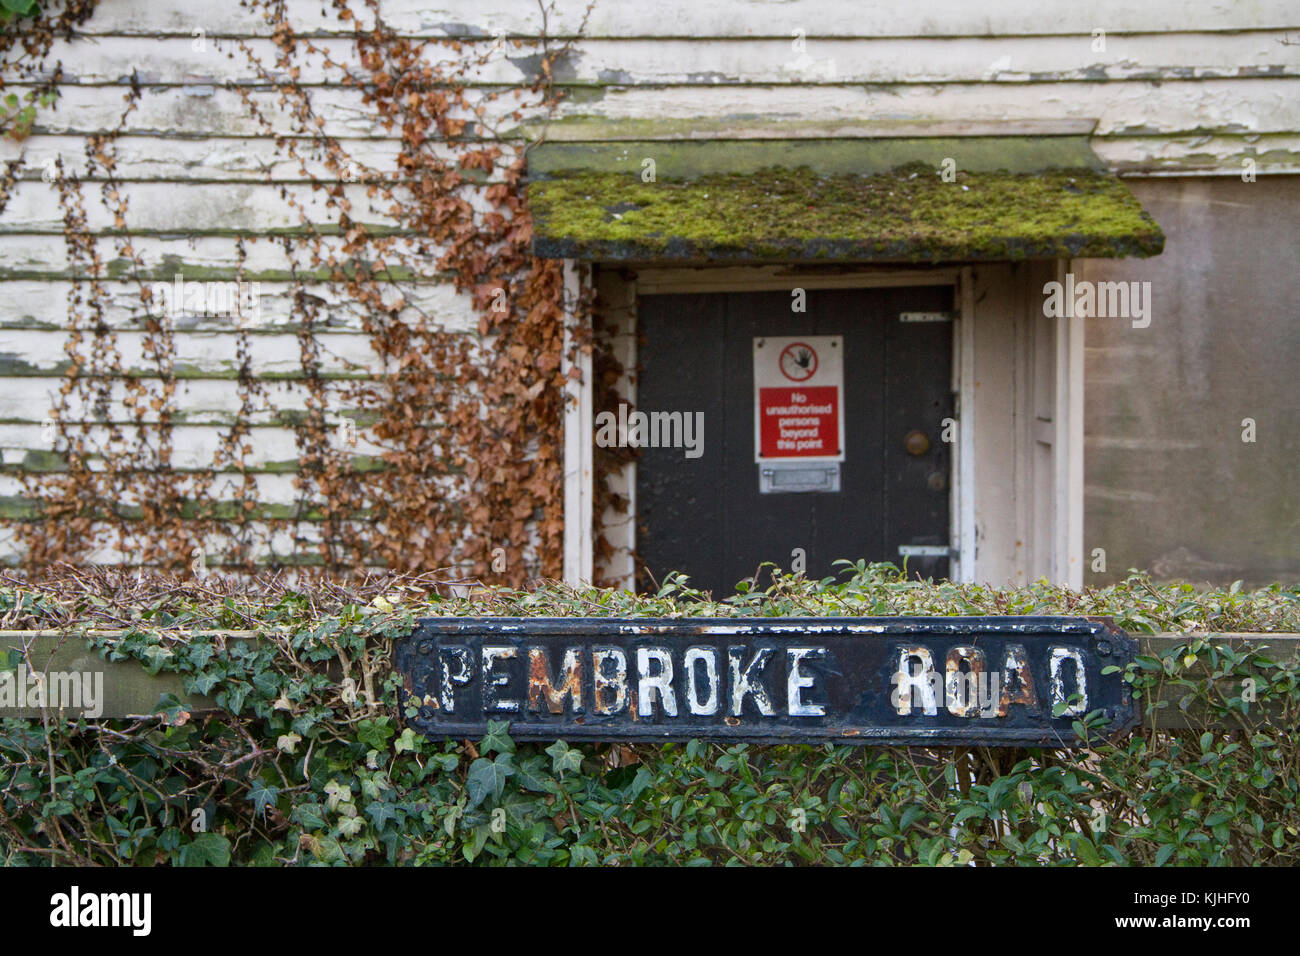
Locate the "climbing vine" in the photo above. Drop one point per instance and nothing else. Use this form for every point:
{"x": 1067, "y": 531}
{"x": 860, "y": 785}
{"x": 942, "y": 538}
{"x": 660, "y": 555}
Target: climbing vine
{"x": 609, "y": 498}
{"x": 27, "y": 32}
{"x": 462, "y": 430}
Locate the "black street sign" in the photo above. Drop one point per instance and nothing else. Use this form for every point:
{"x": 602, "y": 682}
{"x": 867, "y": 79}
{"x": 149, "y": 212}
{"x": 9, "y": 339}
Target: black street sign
{"x": 948, "y": 680}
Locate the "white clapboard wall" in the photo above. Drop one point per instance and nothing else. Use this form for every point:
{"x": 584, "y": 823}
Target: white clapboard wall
{"x": 1177, "y": 89}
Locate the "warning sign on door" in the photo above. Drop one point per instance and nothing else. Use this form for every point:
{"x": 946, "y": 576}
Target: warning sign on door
{"x": 798, "y": 392}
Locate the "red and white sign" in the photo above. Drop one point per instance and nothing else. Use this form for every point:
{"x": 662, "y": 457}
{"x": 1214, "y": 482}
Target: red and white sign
{"x": 798, "y": 398}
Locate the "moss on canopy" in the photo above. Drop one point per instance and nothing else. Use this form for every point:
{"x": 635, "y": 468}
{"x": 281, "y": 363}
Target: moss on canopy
{"x": 908, "y": 214}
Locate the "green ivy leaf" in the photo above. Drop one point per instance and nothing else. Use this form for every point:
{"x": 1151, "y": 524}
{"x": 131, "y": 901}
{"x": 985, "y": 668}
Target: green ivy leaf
{"x": 233, "y": 698}
{"x": 310, "y": 816}
{"x": 564, "y": 757}
{"x": 448, "y": 762}
{"x": 529, "y": 776}
{"x": 337, "y": 793}
{"x": 156, "y": 655}
{"x": 409, "y": 740}
{"x": 263, "y": 796}
{"x": 644, "y": 777}
{"x": 170, "y": 706}
{"x": 375, "y": 732}
{"x": 487, "y": 778}
{"x": 497, "y": 739}
{"x": 380, "y": 813}
{"x": 207, "y": 849}
{"x": 201, "y": 683}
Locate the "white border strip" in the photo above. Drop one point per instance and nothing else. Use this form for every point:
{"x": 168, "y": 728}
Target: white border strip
{"x": 578, "y": 429}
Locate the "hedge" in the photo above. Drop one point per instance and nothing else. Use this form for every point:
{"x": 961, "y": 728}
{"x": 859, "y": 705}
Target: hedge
{"x": 307, "y": 761}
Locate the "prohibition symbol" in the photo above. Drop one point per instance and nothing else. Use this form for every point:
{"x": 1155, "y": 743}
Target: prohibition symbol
{"x": 798, "y": 362}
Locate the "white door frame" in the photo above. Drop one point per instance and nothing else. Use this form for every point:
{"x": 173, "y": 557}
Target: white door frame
{"x": 578, "y": 431}
{"x": 962, "y": 507}
{"x": 1067, "y": 529}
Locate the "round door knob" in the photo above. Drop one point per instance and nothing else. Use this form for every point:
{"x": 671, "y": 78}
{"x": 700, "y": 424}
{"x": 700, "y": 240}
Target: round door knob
{"x": 916, "y": 442}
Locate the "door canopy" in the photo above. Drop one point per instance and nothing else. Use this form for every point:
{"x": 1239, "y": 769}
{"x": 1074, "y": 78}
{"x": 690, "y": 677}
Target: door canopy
{"x": 952, "y": 199}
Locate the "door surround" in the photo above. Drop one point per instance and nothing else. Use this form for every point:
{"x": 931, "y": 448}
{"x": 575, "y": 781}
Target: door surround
{"x": 1043, "y": 372}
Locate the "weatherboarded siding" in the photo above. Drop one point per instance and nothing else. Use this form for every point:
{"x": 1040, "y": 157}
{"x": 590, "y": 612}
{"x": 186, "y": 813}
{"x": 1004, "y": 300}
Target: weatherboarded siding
{"x": 1175, "y": 91}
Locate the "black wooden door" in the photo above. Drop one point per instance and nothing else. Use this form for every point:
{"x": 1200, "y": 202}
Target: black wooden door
{"x": 706, "y": 517}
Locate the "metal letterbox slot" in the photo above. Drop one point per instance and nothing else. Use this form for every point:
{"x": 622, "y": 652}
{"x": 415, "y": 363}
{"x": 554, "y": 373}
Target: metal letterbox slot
{"x": 926, "y": 551}
{"x": 780, "y": 478}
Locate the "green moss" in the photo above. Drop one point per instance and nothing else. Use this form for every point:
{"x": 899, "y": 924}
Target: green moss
{"x": 37, "y": 461}
{"x": 48, "y": 462}
{"x": 907, "y": 214}
{"x": 291, "y": 466}
{"x": 170, "y": 266}
{"x": 281, "y": 417}
{"x": 17, "y": 508}
{"x": 220, "y": 371}
{"x": 11, "y": 366}
{"x": 234, "y": 511}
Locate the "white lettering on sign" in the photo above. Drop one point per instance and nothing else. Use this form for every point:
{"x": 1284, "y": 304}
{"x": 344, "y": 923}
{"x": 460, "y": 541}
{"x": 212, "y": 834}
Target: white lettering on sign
{"x": 658, "y": 684}
{"x": 746, "y": 685}
{"x": 748, "y": 680}
{"x": 493, "y": 680}
{"x": 916, "y": 684}
{"x": 920, "y": 688}
{"x": 609, "y": 682}
{"x": 654, "y": 681}
{"x": 707, "y": 656}
{"x": 798, "y": 398}
{"x": 797, "y": 681}
{"x": 1073, "y": 708}
{"x": 456, "y": 671}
